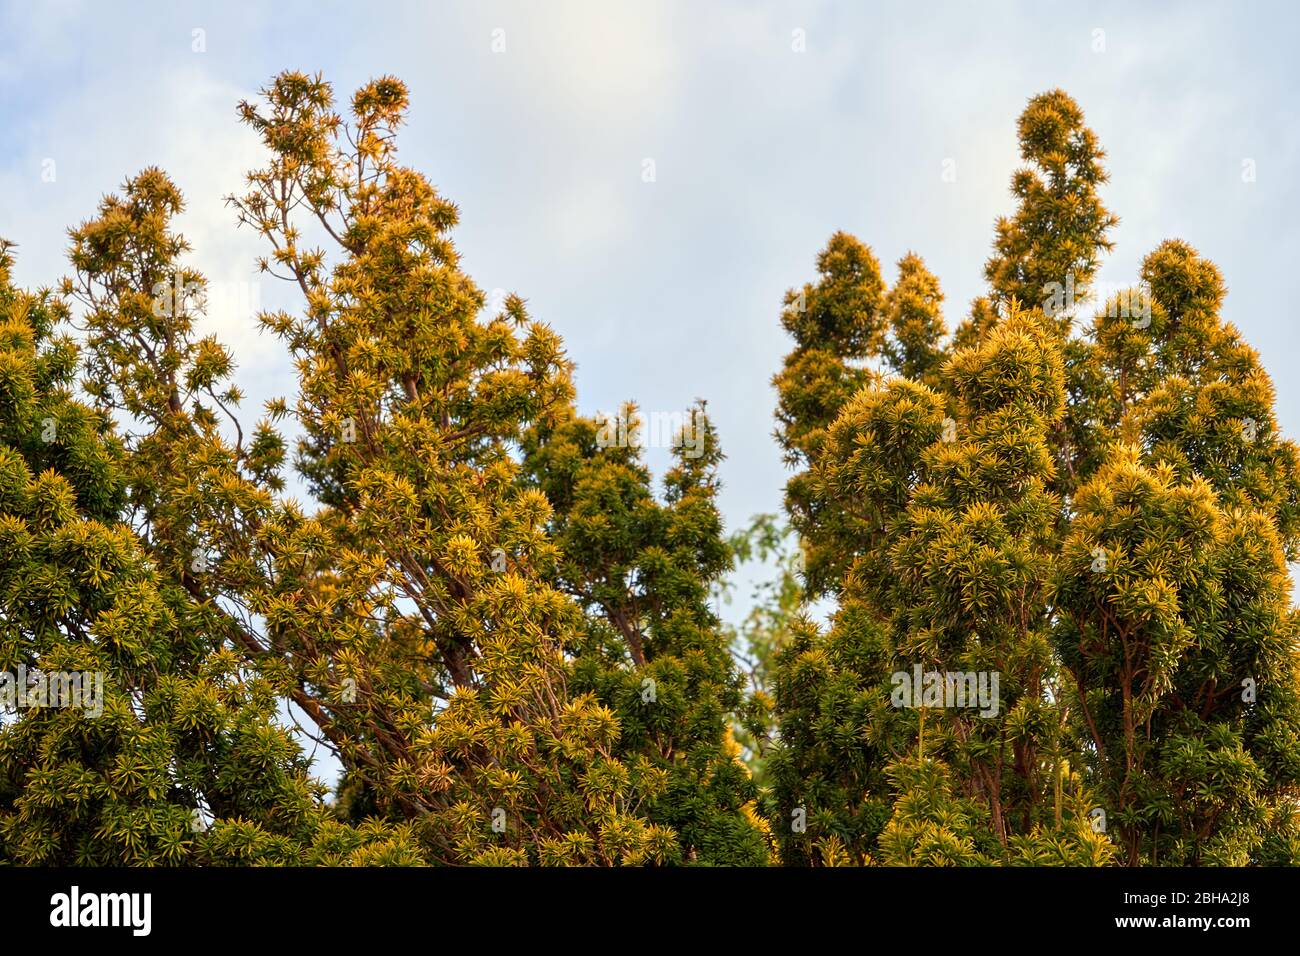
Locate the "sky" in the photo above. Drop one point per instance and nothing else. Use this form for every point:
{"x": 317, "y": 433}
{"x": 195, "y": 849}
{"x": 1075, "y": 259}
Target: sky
{"x": 652, "y": 176}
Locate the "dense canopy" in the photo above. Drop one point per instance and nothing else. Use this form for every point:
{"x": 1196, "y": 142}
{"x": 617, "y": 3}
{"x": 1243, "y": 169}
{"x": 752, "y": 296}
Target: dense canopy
{"x": 1052, "y": 547}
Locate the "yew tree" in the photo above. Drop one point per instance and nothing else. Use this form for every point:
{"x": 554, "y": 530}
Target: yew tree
{"x": 424, "y": 558}
{"x": 1099, "y": 514}
{"x": 644, "y": 568}
{"x": 178, "y": 756}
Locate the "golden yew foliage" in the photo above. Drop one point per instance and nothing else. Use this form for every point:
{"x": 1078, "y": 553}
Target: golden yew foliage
{"x": 470, "y": 605}
{"x": 409, "y": 615}
{"x": 426, "y": 584}
{"x": 181, "y": 724}
{"x": 1102, "y": 519}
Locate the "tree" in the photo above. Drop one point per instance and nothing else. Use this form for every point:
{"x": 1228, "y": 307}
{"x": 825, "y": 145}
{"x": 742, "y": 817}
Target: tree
{"x": 1054, "y": 559}
{"x": 1177, "y": 623}
{"x": 953, "y": 531}
{"x": 837, "y": 325}
{"x": 1053, "y": 243}
{"x": 425, "y": 578}
{"x": 1100, "y": 521}
{"x": 409, "y": 615}
{"x": 915, "y": 348}
{"x": 164, "y": 750}
{"x": 655, "y": 652}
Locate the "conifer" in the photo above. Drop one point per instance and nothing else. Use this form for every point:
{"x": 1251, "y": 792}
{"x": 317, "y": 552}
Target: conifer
{"x": 915, "y": 348}
{"x": 1054, "y": 241}
{"x": 837, "y": 325}
{"x": 655, "y": 651}
{"x": 171, "y": 753}
{"x": 1102, "y": 520}
{"x": 427, "y": 576}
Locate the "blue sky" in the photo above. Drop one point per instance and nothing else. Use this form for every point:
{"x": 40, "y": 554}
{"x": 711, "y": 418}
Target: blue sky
{"x": 670, "y": 290}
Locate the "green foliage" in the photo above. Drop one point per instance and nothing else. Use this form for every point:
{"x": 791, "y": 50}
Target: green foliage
{"x": 775, "y": 608}
{"x": 425, "y": 579}
{"x": 836, "y": 324}
{"x": 169, "y": 729}
{"x": 1058, "y": 233}
{"x": 1101, "y": 521}
{"x": 501, "y": 623}
{"x": 654, "y": 651}
{"x": 917, "y": 329}
{"x": 412, "y": 616}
